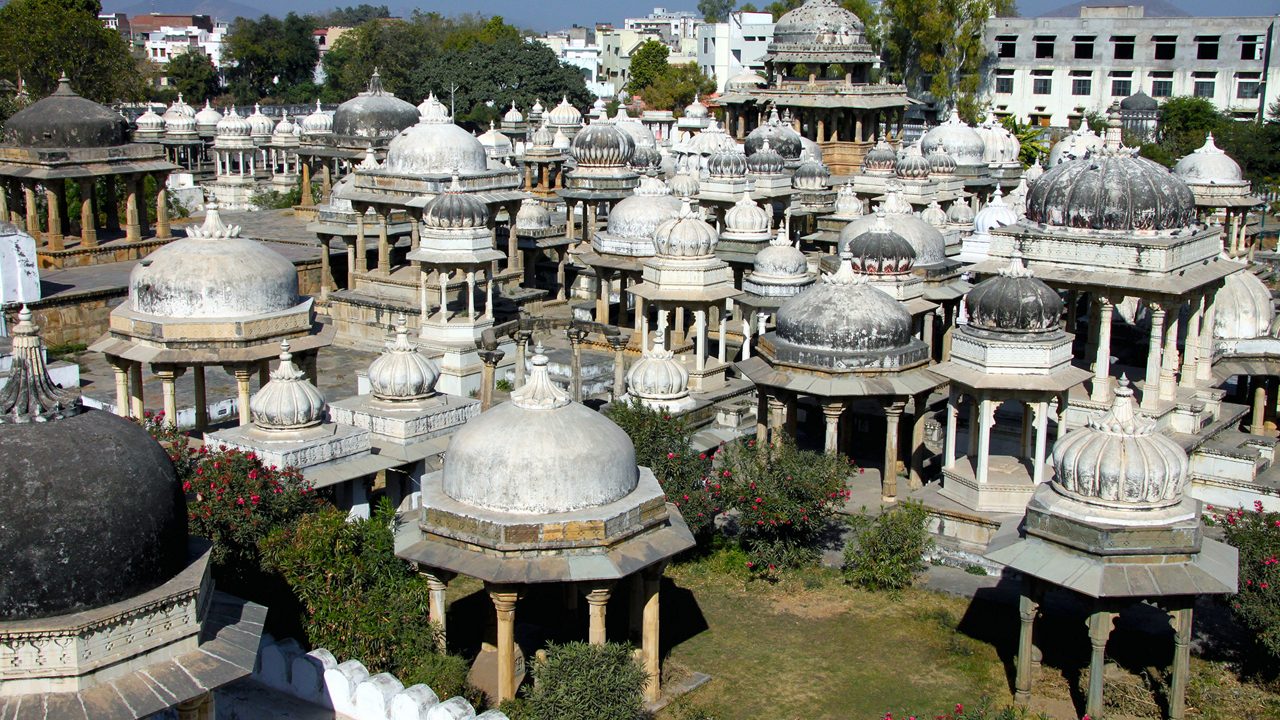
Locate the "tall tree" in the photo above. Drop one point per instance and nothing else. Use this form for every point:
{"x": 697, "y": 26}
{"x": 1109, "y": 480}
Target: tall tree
{"x": 352, "y": 16}
{"x": 41, "y": 39}
{"x": 269, "y": 55}
{"x": 676, "y": 87}
{"x": 937, "y": 45}
{"x": 648, "y": 62}
{"x": 192, "y": 73}
{"x": 714, "y": 11}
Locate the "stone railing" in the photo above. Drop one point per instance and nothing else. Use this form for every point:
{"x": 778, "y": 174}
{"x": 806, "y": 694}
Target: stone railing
{"x": 349, "y": 690}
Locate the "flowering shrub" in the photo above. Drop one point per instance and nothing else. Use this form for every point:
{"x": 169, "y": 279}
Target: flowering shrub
{"x": 886, "y": 552}
{"x": 1256, "y": 534}
{"x": 664, "y": 445}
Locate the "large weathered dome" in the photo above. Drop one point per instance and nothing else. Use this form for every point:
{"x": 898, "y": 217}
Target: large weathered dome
{"x": 91, "y": 512}
{"x": 539, "y": 453}
{"x": 433, "y": 148}
{"x": 926, "y": 240}
{"x": 1243, "y": 308}
{"x": 1075, "y": 145}
{"x": 64, "y": 119}
{"x": 640, "y": 214}
{"x": 959, "y": 140}
{"x": 845, "y": 314}
{"x": 783, "y": 140}
{"x": 213, "y": 275}
{"x": 803, "y": 25}
{"x": 1209, "y": 165}
{"x": 602, "y": 144}
{"x": 1112, "y": 189}
{"x": 1014, "y": 301}
{"x": 374, "y": 113}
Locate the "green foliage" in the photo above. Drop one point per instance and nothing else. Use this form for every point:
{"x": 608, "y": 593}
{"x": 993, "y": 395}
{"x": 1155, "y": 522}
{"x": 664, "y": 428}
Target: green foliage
{"x": 504, "y": 385}
{"x": 1256, "y": 535}
{"x": 648, "y": 63}
{"x": 676, "y": 87}
{"x": 361, "y": 600}
{"x": 1184, "y": 122}
{"x": 1031, "y": 142}
{"x": 192, "y": 73}
{"x": 276, "y": 200}
{"x": 351, "y": 16}
{"x": 1097, "y": 121}
{"x": 714, "y": 11}
{"x": 887, "y": 552}
{"x": 579, "y": 681}
{"x": 269, "y": 55}
{"x": 41, "y": 39}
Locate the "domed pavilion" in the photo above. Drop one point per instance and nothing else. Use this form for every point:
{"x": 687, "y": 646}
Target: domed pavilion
{"x": 65, "y": 137}
{"x": 1222, "y": 194}
{"x": 543, "y": 490}
{"x": 1114, "y": 528}
{"x": 841, "y": 114}
{"x": 601, "y": 175}
{"x": 107, "y": 607}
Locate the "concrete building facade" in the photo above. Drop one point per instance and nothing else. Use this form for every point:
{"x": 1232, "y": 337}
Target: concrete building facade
{"x": 735, "y": 46}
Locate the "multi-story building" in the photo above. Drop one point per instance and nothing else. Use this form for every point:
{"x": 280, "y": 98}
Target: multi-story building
{"x": 143, "y": 24}
{"x": 163, "y": 43}
{"x": 735, "y": 46}
{"x": 116, "y": 21}
{"x": 671, "y": 27}
{"x": 616, "y": 47}
{"x": 576, "y": 47}
{"x": 1054, "y": 70}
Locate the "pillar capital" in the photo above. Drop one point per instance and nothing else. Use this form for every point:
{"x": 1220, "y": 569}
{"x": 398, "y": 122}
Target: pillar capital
{"x": 504, "y": 597}
{"x": 598, "y": 594}
{"x": 491, "y": 358}
{"x": 437, "y": 579}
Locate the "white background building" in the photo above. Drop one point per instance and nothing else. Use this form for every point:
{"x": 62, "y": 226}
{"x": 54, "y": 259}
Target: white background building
{"x": 161, "y": 45}
{"x": 575, "y": 48}
{"x": 735, "y": 46}
{"x": 671, "y": 26}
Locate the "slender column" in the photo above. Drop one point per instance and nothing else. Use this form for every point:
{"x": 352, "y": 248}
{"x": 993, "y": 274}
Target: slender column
{"x": 649, "y": 634}
{"x": 1169, "y": 362}
{"x": 120, "y": 368}
{"x": 490, "y": 358}
{"x": 589, "y": 222}
{"x": 1063, "y": 405}
{"x": 973, "y": 431}
{"x": 438, "y": 592}
{"x": 443, "y": 275}
{"x": 953, "y": 412}
{"x": 602, "y": 296}
{"x": 1258, "y": 417}
{"x": 109, "y": 199}
{"x": 569, "y": 229}
{"x": 1027, "y": 610}
{"x": 1102, "y": 365}
{"x": 202, "y": 401}
{"x": 986, "y": 418}
{"x": 777, "y": 418}
{"x": 619, "y": 344}
{"x": 1099, "y": 631}
{"x": 597, "y": 606}
{"x": 133, "y": 227}
{"x": 53, "y": 196}
{"x": 384, "y": 245}
{"x": 168, "y": 375}
{"x": 1155, "y": 343}
{"x": 136, "y": 399}
{"x": 192, "y": 709}
{"x": 831, "y": 413}
{"x": 33, "y": 215}
{"x": 700, "y": 319}
{"x": 163, "y": 230}
{"x": 1191, "y": 345}
{"x": 504, "y": 606}
{"x": 576, "y": 337}
{"x": 88, "y": 223}
{"x": 915, "y": 453}
{"x": 522, "y": 348}
{"x": 471, "y": 295}
{"x": 361, "y": 253}
{"x": 1181, "y": 621}
{"x": 144, "y": 223}
{"x": 1204, "y": 368}
{"x": 889, "y": 481}
{"x": 326, "y": 183}
{"x": 724, "y": 338}
{"x": 4, "y": 201}
{"x": 242, "y": 374}
{"x": 1042, "y": 441}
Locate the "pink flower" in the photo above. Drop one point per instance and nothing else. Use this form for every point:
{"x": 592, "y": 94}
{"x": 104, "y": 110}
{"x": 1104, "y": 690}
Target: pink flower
{"x": 671, "y": 456}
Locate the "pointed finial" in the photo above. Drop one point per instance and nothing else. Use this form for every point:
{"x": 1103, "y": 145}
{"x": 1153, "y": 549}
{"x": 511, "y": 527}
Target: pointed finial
{"x": 538, "y": 392}
{"x": 30, "y": 395}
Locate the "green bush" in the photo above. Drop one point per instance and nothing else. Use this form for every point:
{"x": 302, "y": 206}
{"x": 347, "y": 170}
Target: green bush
{"x": 579, "y": 681}
{"x": 362, "y": 601}
{"x": 1256, "y": 535}
{"x": 276, "y": 200}
{"x": 887, "y": 552}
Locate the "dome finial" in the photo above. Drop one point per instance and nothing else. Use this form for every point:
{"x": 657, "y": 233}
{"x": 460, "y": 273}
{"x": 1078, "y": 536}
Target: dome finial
{"x": 1017, "y": 268}
{"x": 30, "y": 395}
{"x": 845, "y": 275}
{"x": 213, "y": 227}
{"x": 401, "y": 373}
{"x": 538, "y": 392}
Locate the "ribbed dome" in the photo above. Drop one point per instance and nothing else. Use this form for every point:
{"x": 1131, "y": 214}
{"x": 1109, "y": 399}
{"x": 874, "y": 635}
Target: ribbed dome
{"x": 180, "y": 127}
{"x": 640, "y": 134}
{"x": 1209, "y": 165}
{"x": 601, "y": 144}
{"x": 1140, "y": 102}
{"x": 1075, "y": 145}
{"x": 533, "y": 215}
{"x": 645, "y": 159}
{"x": 564, "y": 114}
{"x": 995, "y": 214}
{"x": 260, "y": 126}
{"x": 288, "y": 401}
{"x": 374, "y": 113}
{"x": 913, "y": 165}
{"x": 848, "y": 204}
{"x": 1243, "y": 308}
{"x": 713, "y": 139}
{"x": 285, "y": 126}
{"x": 513, "y": 115}
{"x": 804, "y": 24}
{"x": 561, "y": 141}
{"x": 434, "y": 147}
{"x": 1034, "y": 172}
{"x": 539, "y": 453}
{"x": 881, "y": 251}
{"x": 727, "y": 164}
{"x": 232, "y": 125}
{"x": 657, "y": 375}
{"x": 455, "y": 209}
{"x": 213, "y": 273}
{"x": 960, "y": 141}
{"x": 686, "y": 235}
{"x": 926, "y": 240}
{"x": 685, "y": 185}
{"x": 639, "y": 215}
{"x": 1111, "y": 190}
{"x": 746, "y": 216}
{"x": 934, "y": 214}
{"x": 745, "y": 81}
{"x": 149, "y": 122}
{"x": 695, "y": 110}
{"x": 941, "y": 162}
{"x": 999, "y": 146}
{"x": 537, "y": 108}
{"x": 90, "y": 508}
{"x": 766, "y": 160}
{"x": 1120, "y": 461}
{"x": 960, "y": 213}
{"x": 784, "y": 140}
{"x": 845, "y": 314}
{"x": 880, "y": 159}
{"x": 1014, "y": 301}
{"x": 64, "y": 119}
{"x": 401, "y": 373}
{"x": 433, "y": 111}
{"x": 543, "y": 137}
{"x": 780, "y": 261}
{"x": 811, "y": 175}
{"x": 318, "y": 122}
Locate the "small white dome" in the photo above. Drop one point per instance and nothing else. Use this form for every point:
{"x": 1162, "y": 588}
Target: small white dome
{"x": 1243, "y": 308}
{"x": 232, "y": 125}
{"x": 745, "y": 81}
{"x": 288, "y": 401}
{"x": 639, "y": 215}
{"x": 912, "y": 165}
{"x": 150, "y": 122}
{"x": 1034, "y": 172}
{"x": 686, "y": 235}
{"x": 318, "y": 122}
{"x": 657, "y": 376}
{"x": 780, "y": 261}
{"x": 685, "y": 185}
{"x": 746, "y": 216}
{"x": 496, "y": 143}
{"x": 960, "y": 141}
{"x": 1209, "y": 165}
{"x": 433, "y": 111}
{"x": 960, "y": 213}
{"x": 848, "y": 204}
{"x": 513, "y": 115}
{"x": 285, "y": 126}
{"x": 999, "y": 146}
{"x": 181, "y": 126}
{"x": 401, "y": 373}
{"x": 695, "y": 110}
{"x": 207, "y": 119}
{"x": 1075, "y": 145}
{"x": 533, "y": 215}
{"x": 260, "y": 126}
{"x": 564, "y": 114}
{"x": 934, "y": 215}
{"x": 996, "y": 214}
{"x": 561, "y": 141}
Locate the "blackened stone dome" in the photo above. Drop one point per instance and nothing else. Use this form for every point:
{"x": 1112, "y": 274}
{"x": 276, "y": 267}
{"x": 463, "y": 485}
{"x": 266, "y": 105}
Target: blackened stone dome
{"x": 1140, "y": 102}
{"x": 66, "y": 120}
{"x": 1113, "y": 189}
{"x": 374, "y": 113}
{"x": 843, "y": 313}
{"x": 784, "y": 140}
{"x": 881, "y": 251}
{"x": 1014, "y": 301}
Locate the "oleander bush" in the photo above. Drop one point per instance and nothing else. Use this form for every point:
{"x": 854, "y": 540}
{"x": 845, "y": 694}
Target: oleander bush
{"x": 886, "y": 552}
{"x": 1256, "y": 535}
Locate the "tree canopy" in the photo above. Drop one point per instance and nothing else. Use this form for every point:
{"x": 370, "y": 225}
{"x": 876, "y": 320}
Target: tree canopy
{"x": 648, "y": 62}
{"x": 351, "y": 16}
{"x": 41, "y": 39}
{"x": 676, "y": 87}
{"x": 192, "y": 73}
{"x": 269, "y": 56}
{"x": 714, "y": 11}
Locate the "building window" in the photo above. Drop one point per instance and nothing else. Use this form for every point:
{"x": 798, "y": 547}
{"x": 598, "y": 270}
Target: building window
{"x": 1004, "y": 82}
{"x": 1250, "y": 47}
{"x": 706, "y": 43}
{"x": 1166, "y": 46}
{"x": 1081, "y": 86}
{"x": 1121, "y": 88}
{"x": 1084, "y": 47}
{"x": 1207, "y": 47}
{"x": 1044, "y": 46}
{"x": 1248, "y": 89}
{"x": 1006, "y": 46}
{"x": 1042, "y": 82}
{"x": 1204, "y": 84}
{"x": 1161, "y": 88}
{"x": 1123, "y": 47}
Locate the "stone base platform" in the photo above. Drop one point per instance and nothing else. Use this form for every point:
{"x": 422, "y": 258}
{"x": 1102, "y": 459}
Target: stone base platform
{"x": 109, "y": 251}
{"x": 960, "y": 531}
{"x": 299, "y": 449}
{"x": 1007, "y": 489}
{"x": 405, "y": 422}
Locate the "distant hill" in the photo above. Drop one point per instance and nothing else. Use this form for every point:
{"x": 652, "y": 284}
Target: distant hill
{"x": 1152, "y": 8}
{"x": 219, "y": 9}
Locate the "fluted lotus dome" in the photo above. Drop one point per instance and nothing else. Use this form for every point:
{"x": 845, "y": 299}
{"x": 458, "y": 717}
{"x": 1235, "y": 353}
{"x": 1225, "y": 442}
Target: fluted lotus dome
{"x": 766, "y": 161}
{"x": 1014, "y": 301}
{"x": 934, "y": 214}
{"x": 881, "y": 251}
{"x": 180, "y": 127}
{"x": 746, "y": 216}
{"x": 960, "y": 141}
{"x": 1113, "y": 189}
{"x": 645, "y": 159}
{"x": 177, "y": 109}
{"x": 288, "y": 401}
{"x": 995, "y": 214}
{"x": 713, "y": 139}
{"x": 513, "y": 115}
{"x": 845, "y": 314}
{"x": 780, "y": 260}
{"x": 374, "y": 113}
{"x": 639, "y": 215}
{"x": 455, "y": 209}
{"x": 1243, "y": 308}
{"x": 805, "y": 24}
{"x": 685, "y": 185}
{"x": 1120, "y": 460}
{"x": 285, "y": 126}
{"x": 149, "y": 123}
{"x": 537, "y": 108}
{"x": 940, "y": 162}
{"x": 926, "y": 240}
{"x": 260, "y": 126}
{"x": 745, "y": 81}
{"x": 695, "y": 110}
{"x": 543, "y": 137}
{"x": 318, "y": 122}
{"x": 657, "y": 375}
{"x": 401, "y": 373}
{"x": 848, "y": 204}
{"x": 232, "y": 125}
{"x": 686, "y": 235}
{"x": 1075, "y": 145}
{"x": 999, "y": 146}
{"x": 960, "y": 213}
{"x": 811, "y": 175}
{"x": 539, "y": 453}
{"x": 602, "y": 144}
{"x": 913, "y": 165}
{"x": 213, "y": 273}
{"x": 564, "y": 114}
{"x": 784, "y": 140}
{"x": 727, "y": 164}
{"x": 1034, "y": 172}
{"x": 433, "y": 111}
{"x": 533, "y": 215}
{"x": 435, "y": 146}
{"x": 880, "y": 159}
{"x": 1209, "y": 165}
